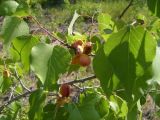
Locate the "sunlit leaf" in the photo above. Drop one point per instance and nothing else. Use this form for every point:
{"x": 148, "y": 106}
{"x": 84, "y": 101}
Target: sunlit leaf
{"x": 40, "y": 55}
{"x": 8, "y": 7}
{"x": 128, "y": 56}
{"x": 58, "y": 63}
{"x": 49, "y": 62}
{"x": 22, "y": 46}
{"x": 13, "y": 27}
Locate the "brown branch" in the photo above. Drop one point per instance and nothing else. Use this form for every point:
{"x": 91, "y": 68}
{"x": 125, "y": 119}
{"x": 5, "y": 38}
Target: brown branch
{"x": 15, "y": 98}
{"x": 125, "y": 10}
{"x": 20, "y": 97}
{"x": 48, "y": 32}
{"x": 50, "y": 94}
{"x": 79, "y": 81}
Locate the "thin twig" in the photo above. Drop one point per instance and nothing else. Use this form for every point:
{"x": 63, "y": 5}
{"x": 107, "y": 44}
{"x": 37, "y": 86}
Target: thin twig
{"x": 15, "y": 98}
{"x": 49, "y": 33}
{"x": 23, "y": 86}
{"x": 125, "y": 10}
{"x": 79, "y": 81}
{"x": 50, "y": 94}
{"x": 21, "y": 96}
{"x": 11, "y": 93}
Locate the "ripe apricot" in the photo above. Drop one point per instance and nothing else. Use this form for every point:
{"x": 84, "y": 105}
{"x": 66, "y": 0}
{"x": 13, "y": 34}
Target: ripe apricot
{"x": 75, "y": 59}
{"x": 87, "y": 48}
{"x": 81, "y": 59}
{"x": 65, "y": 90}
{"x": 84, "y": 60}
{"x": 76, "y": 43}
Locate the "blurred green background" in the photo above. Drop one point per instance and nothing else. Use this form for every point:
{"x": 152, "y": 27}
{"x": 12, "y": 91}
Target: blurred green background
{"x": 57, "y": 14}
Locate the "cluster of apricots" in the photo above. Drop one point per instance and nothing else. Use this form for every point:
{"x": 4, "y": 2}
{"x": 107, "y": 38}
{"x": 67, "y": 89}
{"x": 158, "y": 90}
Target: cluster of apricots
{"x": 82, "y": 51}
{"x": 81, "y": 57}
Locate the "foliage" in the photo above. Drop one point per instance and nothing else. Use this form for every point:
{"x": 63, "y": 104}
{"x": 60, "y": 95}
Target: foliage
{"x": 35, "y": 65}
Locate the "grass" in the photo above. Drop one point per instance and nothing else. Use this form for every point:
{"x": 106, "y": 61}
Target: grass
{"x": 57, "y": 18}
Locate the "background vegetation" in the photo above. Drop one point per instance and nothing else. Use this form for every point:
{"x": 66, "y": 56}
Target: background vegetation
{"x": 43, "y": 70}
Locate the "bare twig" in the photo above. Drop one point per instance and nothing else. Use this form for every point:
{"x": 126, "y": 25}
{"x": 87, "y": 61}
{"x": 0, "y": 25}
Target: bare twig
{"x": 20, "y": 97}
{"x": 79, "y": 81}
{"x": 23, "y": 86}
{"x": 50, "y": 94}
{"x": 125, "y": 10}
{"x": 49, "y": 33}
{"x": 11, "y": 93}
{"x": 15, "y": 98}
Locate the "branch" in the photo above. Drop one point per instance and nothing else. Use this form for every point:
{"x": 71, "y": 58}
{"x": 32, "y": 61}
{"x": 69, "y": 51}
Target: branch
{"x": 15, "y": 98}
{"x": 79, "y": 81}
{"x": 21, "y": 96}
{"x": 125, "y": 10}
{"x": 49, "y": 33}
{"x": 50, "y": 94}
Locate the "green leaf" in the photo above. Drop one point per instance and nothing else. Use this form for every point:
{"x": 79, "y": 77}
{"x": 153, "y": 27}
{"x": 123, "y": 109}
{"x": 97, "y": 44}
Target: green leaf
{"x": 104, "y": 72}
{"x": 127, "y": 56}
{"x": 58, "y": 64}
{"x": 49, "y": 111}
{"x": 102, "y": 107}
{"x": 8, "y": 7}
{"x": 104, "y": 22}
{"x": 86, "y": 110}
{"x": 36, "y": 101}
{"x": 73, "y": 68}
{"x": 132, "y": 114}
{"x": 97, "y": 42}
{"x": 105, "y": 25}
{"x": 72, "y": 38}
{"x": 141, "y": 19}
{"x": 13, "y": 27}
{"x": 40, "y": 55}
{"x": 130, "y": 52}
{"x": 22, "y": 46}
{"x": 52, "y": 112}
{"x": 119, "y": 106}
{"x": 154, "y": 6}
{"x": 155, "y": 28}
{"x": 11, "y": 112}
{"x": 15, "y": 106}
{"x": 49, "y": 62}
{"x": 23, "y": 10}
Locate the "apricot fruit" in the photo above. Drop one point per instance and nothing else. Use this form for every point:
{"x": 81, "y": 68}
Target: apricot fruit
{"x": 81, "y": 59}
{"x": 84, "y": 60}
{"x": 65, "y": 90}
{"x": 87, "y": 48}
{"x": 75, "y": 59}
{"x": 76, "y": 43}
